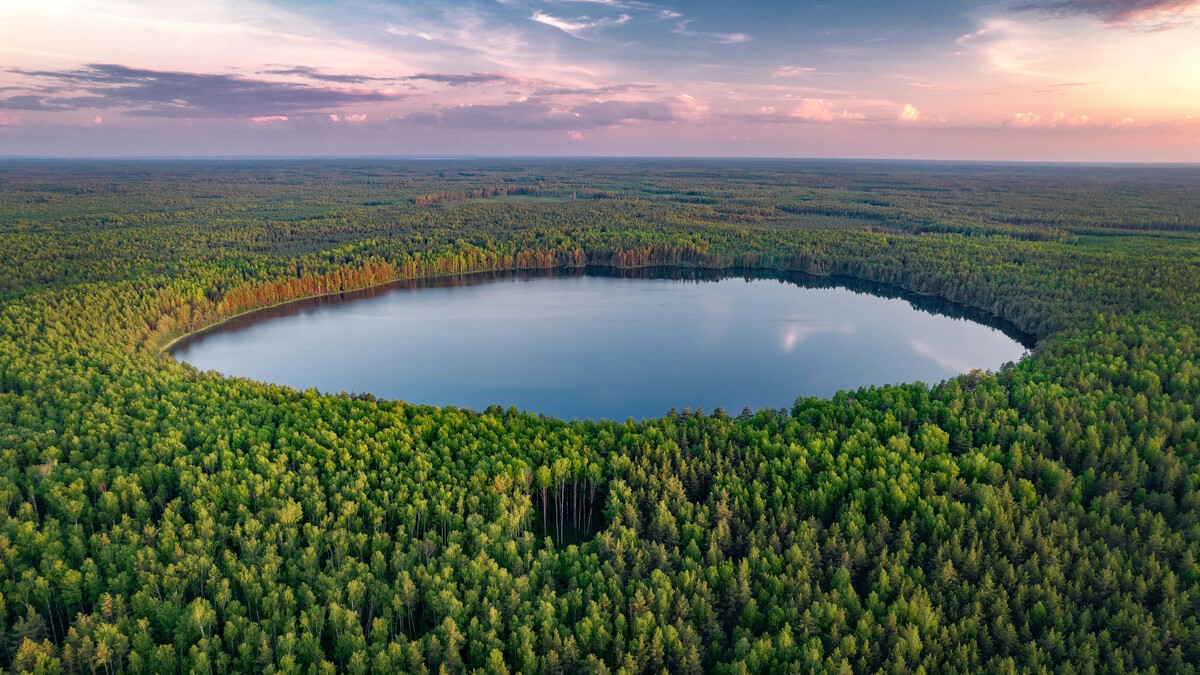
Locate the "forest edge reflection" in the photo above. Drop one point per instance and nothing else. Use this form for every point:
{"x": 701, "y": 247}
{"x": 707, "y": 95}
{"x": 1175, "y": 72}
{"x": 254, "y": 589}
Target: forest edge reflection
{"x": 927, "y": 303}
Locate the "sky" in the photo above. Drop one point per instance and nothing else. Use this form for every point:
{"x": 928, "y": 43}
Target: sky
{"x": 1043, "y": 80}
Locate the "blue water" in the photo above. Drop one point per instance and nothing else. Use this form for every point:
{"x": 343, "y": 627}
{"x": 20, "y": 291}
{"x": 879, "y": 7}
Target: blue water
{"x": 576, "y": 345}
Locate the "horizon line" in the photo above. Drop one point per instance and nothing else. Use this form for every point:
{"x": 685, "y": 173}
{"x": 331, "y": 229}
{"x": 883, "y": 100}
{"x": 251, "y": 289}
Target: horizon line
{"x": 460, "y": 156}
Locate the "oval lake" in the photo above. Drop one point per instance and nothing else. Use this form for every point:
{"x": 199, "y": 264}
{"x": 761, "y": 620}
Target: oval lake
{"x": 606, "y": 343}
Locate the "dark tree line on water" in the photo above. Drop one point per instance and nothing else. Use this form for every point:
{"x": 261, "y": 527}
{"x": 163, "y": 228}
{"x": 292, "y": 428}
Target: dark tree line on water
{"x": 157, "y": 519}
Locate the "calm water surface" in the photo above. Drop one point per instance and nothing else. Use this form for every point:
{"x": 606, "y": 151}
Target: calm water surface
{"x": 571, "y": 344}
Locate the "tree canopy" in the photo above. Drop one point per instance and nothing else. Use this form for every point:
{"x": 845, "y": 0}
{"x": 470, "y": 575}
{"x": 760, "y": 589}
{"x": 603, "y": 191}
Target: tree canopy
{"x": 153, "y": 518}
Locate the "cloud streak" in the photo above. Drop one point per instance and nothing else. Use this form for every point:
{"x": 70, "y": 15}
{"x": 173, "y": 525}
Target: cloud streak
{"x": 1062, "y": 120}
{"x": 720, "y": 38}
{"x": 792, "y": 71}
{"x": 691, "y": 78}
{"x": 153, "y": 93}
{"x": 1158, "y": 13}
{"x": 315, "y": 74}
{"x": 583, "y": 27}
{"x": 542, "y": 115}
{"x": 457, "y": 80}
{"x": 809, "y": 110}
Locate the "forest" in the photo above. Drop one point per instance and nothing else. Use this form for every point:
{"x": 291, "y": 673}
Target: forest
{"x": 157, "y": 519}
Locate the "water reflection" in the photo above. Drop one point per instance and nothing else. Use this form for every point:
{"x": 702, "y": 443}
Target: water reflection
{"x": 608, "y": 343}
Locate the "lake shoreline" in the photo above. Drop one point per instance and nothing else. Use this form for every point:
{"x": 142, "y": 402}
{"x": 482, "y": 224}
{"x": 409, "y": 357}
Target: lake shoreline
{"x": 607, "y": 342}
{"x": 1029, "y": 340}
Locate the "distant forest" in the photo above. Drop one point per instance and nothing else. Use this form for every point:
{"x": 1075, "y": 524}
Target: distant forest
{"x": 157, "y": 519}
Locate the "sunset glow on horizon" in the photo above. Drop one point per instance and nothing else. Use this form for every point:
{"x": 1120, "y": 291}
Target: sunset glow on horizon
{"x": 1069, "y": 80}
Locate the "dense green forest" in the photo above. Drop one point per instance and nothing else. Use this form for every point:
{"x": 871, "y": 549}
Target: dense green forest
{"x": 158, "y": 519}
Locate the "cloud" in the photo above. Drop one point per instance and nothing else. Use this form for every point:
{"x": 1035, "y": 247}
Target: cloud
{"x": 541, "y": 115}
{"x": 1022, "y": 119}
{"x": 1026, "y": 48}
{"x": 579, "y": 27}
{"x": 982, "y": 35}
{"x": 457, "y": 27}
{"x": 934, "y": 85}
{"x": 1063, "y": 87}
{"x": 1153, "y": 13}
{"x": 420, "y": 119}
{"x": 155, "y": 93}
{"x": 552, "y": 89}
{"x": 45, "y": 103}
{"x": 691, "y": 108}
{"x": 720, "y": 38}
{"x": 909, "y": 113}
{"x": 575, "y": 135}
{"x": 1061, "y": 119}
{"x": 820, "y": 110}
{"x": 261, "y": 119}
{"x": 627, "y": 5}
{"x": 809, "y": 110}
{"x": 540, "y": 87}
{"x": 791, "y": 71}
{"x": 620, "y": 4}
{"x": 314, "y": 74}
{"x": 457, "y": 80}
{"x": 7, "y": 120}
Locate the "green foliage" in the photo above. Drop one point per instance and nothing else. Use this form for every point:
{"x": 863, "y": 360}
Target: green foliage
{"x": 157, "y": 519}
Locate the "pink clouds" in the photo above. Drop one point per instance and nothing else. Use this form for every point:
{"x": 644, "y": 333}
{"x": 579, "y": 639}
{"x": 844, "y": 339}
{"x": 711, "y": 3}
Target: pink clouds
{"x": 1060, "y": 119}
{"x": 534, "y": 114}
{"x": 690, "y": 108}
{"x": 1023, "y": 119}
{"x": 1075, "y": 121}
{"x": 820, "y": 110}
{"x": 874, "y": 112}
{"x": 910, "y": 114}
{"x": 431, "y": 74}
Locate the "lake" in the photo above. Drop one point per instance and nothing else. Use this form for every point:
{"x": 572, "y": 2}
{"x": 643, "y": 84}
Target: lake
{"x": 607, "y": 343}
